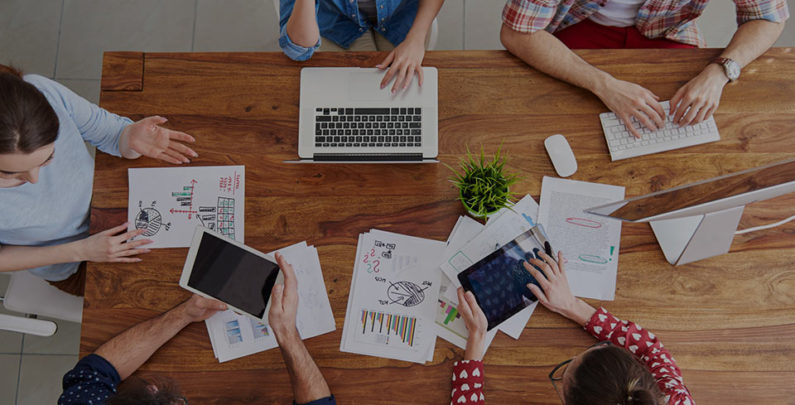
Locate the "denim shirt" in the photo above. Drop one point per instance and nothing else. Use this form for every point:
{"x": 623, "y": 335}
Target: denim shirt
{"x": 341, "y": 22}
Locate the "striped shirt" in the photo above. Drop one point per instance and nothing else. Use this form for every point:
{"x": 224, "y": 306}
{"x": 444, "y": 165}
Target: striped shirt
{"x": 670, "y": 19}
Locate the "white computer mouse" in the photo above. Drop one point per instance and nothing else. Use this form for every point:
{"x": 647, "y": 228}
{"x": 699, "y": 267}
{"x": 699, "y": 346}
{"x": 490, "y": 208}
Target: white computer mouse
{"x": 561, "y": 155}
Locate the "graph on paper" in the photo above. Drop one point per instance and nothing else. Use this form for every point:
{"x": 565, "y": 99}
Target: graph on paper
{"x": 387, "y": 329}
{"x": 167, "y": 204}
{"x": 448, "y": 317}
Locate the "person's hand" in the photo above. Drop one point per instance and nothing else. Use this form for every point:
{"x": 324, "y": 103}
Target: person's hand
{"x": 404, "y": 61}
{"x": 198, "y": 308}
{"x": 146, "y": 137}
{"x": 112, "y": 245}
{"x": 698, "y": 99}
{"x": 555, "y": 293}
{"x": 476, "y": 323}
{"x": 284, "y": 302}
{"x": 629, "y": 100}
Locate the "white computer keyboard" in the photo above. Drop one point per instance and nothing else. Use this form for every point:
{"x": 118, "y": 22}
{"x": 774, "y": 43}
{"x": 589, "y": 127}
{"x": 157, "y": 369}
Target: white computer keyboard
{"x": 623, "y": 145}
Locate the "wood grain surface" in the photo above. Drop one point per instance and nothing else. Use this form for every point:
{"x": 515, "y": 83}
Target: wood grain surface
{"x": 728, "y": 320}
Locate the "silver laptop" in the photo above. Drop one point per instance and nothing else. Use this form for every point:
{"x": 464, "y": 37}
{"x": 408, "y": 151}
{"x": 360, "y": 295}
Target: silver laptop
{"x": 346, "y": 117}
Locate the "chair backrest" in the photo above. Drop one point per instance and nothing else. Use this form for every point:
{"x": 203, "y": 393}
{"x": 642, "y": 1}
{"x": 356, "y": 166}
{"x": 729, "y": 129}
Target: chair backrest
{"x": 30, "y": 294}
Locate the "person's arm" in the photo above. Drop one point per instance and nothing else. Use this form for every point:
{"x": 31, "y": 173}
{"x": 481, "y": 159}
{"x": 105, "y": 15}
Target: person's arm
{"x": 133, "y": 347}
{"x": 407, "y": 57}
{"x": 306, "y": 379}
{"x": 117, "y": 135}
{"x": 107, "y": 246}
{"x": 302, "y": 25}
{"x": 299, "y": 33}
{"x": 468, "y": 374}
{"x": 556, "y": 296}
{"x": 545, "y": 52}
{"x": 698, "y": 99}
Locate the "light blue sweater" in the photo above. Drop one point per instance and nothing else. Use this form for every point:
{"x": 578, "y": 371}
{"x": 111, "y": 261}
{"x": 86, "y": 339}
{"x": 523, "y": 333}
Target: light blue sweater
{"x": 56, "y": 209}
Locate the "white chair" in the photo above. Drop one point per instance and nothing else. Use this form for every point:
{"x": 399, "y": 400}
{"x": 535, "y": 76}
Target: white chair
{"x": 432, "y": 38}
{"x": 34, "y": 296}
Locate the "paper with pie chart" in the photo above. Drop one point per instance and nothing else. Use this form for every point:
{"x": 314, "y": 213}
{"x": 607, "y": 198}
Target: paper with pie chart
{"x": 168, "y": 203}
{"x": 393, "y": 297}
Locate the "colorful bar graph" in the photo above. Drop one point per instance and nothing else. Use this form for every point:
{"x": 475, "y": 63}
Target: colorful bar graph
{"x": 399, "y": 326}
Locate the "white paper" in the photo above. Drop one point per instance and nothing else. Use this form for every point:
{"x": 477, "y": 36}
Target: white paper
{"x": 449, "y": 324}
{"x": 234, "y": 336}
{"x": 589, "y": 243}
{"x": 393, "y": 296}
{"x": 170, "y": 202}
{"x": 507, "y": 225}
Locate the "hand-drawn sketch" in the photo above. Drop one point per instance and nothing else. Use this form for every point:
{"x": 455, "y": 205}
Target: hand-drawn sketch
{"x": 406, "y": 293}
{"x": 150, "y": 220}
{"x": 190, "y": 196}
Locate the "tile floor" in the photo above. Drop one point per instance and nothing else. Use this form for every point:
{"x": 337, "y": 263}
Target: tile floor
{"x": 31, "y": 367}
{"x": 64, "y": 39}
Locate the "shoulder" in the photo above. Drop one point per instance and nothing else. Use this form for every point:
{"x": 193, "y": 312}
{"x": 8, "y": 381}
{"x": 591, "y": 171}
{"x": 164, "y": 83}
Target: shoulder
{"x": 56, "y": 93}
{"x": 92, "y": 379}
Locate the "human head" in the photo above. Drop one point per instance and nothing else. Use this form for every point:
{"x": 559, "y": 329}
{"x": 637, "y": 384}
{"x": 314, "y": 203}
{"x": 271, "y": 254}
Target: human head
{"x": 152, "y": 391}
{"x": 28, "y": 129}
{"x": 609, "y": 375}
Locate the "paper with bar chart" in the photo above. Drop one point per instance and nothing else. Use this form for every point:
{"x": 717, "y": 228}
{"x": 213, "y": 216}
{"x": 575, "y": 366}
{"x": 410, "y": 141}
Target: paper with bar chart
{"x": 168, "y": 203}
{"x": 393, "y": 296}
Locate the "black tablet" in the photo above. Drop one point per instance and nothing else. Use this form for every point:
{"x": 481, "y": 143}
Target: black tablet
{"x": 499, "y": 281}
{"x": 229, "y": 271}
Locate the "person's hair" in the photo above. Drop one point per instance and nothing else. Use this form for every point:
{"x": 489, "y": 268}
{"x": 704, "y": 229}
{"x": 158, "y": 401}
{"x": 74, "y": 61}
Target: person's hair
{"x": 139, "y": 391}
{"x": 27, "y": 120}
{"x": 612, "y": 376}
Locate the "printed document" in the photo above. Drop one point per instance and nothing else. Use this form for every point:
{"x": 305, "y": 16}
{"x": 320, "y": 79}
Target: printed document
{"x": 589, "y": 243}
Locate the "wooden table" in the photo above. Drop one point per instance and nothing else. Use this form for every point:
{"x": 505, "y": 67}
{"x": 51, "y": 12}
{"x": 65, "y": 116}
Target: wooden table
{"x": 729, "y": 320}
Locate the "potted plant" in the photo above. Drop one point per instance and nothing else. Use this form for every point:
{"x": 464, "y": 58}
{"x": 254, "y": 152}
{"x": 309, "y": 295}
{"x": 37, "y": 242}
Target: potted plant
{"x": 484, "y": 187}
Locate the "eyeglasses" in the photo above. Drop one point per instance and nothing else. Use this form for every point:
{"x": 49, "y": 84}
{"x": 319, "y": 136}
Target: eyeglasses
{"x": 557, "y": 373}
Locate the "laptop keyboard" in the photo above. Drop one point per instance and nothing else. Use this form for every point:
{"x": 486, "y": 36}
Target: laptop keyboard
{"x": 368, "y": 127}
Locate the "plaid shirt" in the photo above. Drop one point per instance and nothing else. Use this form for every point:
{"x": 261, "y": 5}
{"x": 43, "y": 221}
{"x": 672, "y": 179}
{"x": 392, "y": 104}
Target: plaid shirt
{"x": 671, "y": 19}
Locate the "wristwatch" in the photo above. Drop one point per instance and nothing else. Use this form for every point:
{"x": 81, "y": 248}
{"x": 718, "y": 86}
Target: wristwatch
{"x": 730, "y": 67}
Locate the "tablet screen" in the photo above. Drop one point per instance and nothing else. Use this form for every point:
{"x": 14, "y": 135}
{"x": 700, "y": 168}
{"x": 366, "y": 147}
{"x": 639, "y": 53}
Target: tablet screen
{"x": 233, "y": 275}
{"x": 499, "y": 281}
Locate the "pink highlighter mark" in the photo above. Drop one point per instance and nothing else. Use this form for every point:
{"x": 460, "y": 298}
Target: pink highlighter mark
{"x": 584, "y": 222}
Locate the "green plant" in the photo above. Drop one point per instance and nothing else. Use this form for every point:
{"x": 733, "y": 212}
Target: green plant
{"x": 484, "y": 186}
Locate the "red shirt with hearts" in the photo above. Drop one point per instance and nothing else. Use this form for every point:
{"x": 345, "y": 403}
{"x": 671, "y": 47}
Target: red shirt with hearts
{"x": 467, "y": 383}
{"x": 645, "y": 346}
{"x": 468, "y": 374}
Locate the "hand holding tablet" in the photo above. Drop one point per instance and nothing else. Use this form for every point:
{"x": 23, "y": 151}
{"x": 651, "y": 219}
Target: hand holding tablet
{"x": 500, "y": 281}
{"x": 220, "y": 268}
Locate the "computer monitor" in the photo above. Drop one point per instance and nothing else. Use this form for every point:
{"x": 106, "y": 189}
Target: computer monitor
{"x": 698, "y": 220}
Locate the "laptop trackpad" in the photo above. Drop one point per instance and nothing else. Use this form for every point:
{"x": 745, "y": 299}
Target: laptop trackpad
{"x": 366, "y": 86}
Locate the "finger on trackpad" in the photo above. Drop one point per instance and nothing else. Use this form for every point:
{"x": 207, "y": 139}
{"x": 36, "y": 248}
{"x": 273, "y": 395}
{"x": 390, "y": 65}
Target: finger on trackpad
{"x": 367, "y": 87}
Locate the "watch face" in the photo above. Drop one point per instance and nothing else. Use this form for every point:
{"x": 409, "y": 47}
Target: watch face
{"x": 732, "y": 69}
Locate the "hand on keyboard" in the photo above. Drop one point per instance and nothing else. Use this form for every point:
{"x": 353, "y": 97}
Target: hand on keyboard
{"x": 629, "y": 100}
{"x": 670, "y": 136}
{"x": 699, "y": 98}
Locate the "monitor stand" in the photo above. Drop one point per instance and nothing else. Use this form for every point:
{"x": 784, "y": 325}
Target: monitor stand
{"x": 685, "y": 240}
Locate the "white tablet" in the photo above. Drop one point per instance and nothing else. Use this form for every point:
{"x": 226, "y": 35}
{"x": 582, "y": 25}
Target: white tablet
{"x": 220, "y": 268}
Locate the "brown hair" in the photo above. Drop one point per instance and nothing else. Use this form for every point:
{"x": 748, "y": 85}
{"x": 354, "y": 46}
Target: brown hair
{"x": 612, "y": 376}
{"x": 138, "y": 391}
{"x": 27, "y": 120}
